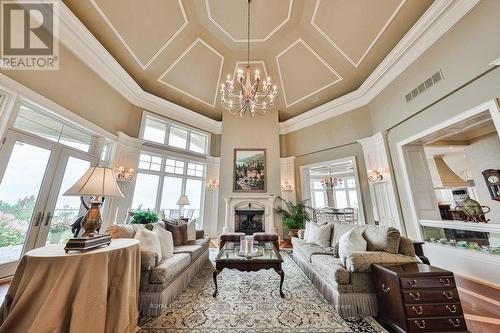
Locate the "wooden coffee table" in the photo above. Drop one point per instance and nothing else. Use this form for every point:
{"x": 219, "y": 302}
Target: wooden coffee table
{"x": 228, "y": 258}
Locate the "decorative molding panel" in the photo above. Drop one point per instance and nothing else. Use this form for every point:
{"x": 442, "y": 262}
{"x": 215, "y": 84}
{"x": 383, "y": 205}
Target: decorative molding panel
{"x": 322, "y": 61}
{"x": 162, "y": 80}
{"x": 244, "y": 40}
{"x": 129, "y": 49}
{"x": 370, "y": 46}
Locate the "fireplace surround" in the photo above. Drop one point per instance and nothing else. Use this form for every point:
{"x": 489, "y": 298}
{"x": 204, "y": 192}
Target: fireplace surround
{"x": 249, "y": 218}
{"x": 260, "y": 208}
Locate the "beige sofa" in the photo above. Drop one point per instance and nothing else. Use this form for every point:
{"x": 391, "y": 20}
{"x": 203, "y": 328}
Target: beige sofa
{"x": 350, "y": 286}
{"x": 162, "y": 281}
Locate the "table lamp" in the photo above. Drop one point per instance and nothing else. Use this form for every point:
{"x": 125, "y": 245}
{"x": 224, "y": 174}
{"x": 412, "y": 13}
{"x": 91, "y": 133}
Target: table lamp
{"x": 183, "y": 201}
{"x": 97, "y": 182}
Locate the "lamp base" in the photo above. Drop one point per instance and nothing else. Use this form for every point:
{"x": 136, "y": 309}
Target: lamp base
{"x": 83, "y": 244}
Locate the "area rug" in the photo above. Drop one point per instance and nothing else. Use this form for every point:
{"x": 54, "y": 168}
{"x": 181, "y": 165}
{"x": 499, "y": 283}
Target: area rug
{"x": 249, "y": 302}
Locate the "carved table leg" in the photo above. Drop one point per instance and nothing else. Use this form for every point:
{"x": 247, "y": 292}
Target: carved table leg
{"x": 215, "y": 273}
{"x": 282, "y": 277}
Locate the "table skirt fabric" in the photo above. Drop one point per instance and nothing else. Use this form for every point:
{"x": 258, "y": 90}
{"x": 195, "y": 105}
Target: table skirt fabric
{"x": 96, "y": 291}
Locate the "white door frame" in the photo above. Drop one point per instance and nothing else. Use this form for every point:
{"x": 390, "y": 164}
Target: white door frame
{"x": 490, "y": 106}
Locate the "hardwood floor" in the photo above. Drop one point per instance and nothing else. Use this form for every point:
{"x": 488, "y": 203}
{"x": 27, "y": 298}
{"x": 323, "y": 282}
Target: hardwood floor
{"x": 481, "y": 304}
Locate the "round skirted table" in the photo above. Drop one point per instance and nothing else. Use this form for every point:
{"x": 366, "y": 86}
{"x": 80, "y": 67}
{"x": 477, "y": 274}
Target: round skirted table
{"x": 94, "y": 291}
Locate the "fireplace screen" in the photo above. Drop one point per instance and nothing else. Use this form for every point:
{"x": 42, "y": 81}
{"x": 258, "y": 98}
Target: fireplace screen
{"x": 249, "y": 220}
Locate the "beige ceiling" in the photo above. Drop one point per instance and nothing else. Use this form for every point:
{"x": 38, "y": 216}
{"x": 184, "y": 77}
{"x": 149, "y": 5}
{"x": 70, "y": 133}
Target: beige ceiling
{"x": 314, "y": 50}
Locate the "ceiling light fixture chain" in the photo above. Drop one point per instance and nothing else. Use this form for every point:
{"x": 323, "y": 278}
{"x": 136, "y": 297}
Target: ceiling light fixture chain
{"x": 253, "y": 98}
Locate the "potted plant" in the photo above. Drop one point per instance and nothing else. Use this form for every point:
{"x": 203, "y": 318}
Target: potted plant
{"x": 144, "y": 217}
{"x": 294, "y": 215}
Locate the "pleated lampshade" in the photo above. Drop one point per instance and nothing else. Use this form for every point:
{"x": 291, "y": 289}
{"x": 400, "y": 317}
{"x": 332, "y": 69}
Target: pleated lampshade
{"x": 97, "y": 181}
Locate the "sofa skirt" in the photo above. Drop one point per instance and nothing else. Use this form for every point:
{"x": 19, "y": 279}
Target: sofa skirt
{"x": 347, "y": 304}
{"x": 152, "y": 304}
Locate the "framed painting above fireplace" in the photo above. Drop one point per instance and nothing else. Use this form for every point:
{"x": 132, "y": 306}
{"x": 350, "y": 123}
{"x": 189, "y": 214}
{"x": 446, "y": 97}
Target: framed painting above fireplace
{"x": 249, "y": 170}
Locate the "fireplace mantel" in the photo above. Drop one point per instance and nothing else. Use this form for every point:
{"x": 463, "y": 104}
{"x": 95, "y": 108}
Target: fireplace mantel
{"x": 266, "y": 200}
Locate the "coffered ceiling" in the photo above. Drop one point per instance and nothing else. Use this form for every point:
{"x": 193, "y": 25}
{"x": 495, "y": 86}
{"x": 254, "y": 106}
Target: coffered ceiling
{"x": 314, "y": 50}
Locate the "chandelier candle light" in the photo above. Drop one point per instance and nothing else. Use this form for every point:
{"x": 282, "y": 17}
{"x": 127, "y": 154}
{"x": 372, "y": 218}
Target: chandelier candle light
{"x": 253, "y": 98}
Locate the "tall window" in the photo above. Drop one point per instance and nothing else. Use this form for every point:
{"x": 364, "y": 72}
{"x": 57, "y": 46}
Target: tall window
{"x": 162, "y": 179}
{"x": 345, "y": 193}
{"x": 160, "y": 131}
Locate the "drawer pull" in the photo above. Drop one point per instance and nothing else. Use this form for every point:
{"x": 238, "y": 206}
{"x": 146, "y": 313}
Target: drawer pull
{"x": 445, "y": 282}
{"x": 448, "y": 295}
{"x": 415, "y": 296}
{"x": 386, "y": 289}
{"x": 412, "y": 283}
{"x": 454, "y": 323}
{"x": 420, "y": 324}
{"x": 418, "y": 311}
{"x": 452, "y": 309}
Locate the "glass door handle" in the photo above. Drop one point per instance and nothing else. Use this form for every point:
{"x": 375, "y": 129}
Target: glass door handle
{"x": 48, "y": 219}
{"x": 38, "y": 218}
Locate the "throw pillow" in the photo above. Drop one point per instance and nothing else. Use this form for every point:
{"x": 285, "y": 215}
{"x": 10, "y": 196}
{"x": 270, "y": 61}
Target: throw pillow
{"x": 179, "y": 233}
{"x": 380, "y": 238}
{"x": 148, "y": 242}
{"x": 335, "y": 251}
{"x": 166, "y": 241}
{"x": 351, "y": 241}
{"x": 191, "y": 231}
{"x": 318, "y": 234}
{"x": 340, "y": 229}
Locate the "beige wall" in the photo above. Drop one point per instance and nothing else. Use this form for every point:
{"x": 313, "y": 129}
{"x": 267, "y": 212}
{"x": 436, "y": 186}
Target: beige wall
{"x": 484, "y": 154}
{"x": 329, "y": 140}
{"x": 463, "y": 54}
{"x": 258, "y": 132}
{"x": 80, "y": 90}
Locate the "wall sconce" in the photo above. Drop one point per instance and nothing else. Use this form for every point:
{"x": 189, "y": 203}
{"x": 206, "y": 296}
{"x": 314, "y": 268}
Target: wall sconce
{"x": 212, "y": 184}
{"x": 123, "y": 174}
{"x": 376, "y": 175}
{"x": 286, "y": 185}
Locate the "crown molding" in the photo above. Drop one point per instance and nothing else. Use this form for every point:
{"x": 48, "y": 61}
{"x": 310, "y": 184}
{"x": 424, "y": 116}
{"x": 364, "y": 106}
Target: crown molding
{"x": 435, "y": 22}
{"x": 495, "y": 62}
{"x": 76, "y": 37}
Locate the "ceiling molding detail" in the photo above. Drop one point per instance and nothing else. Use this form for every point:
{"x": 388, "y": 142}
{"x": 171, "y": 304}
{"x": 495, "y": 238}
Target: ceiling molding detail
{"x": 198, "y": 40}
{"x": 236, "y": 40}
{"x": 261, "y": 62}
{"x": 344, "y": 54}
{"x": 300, "y": 40}
{"x": 82, "y": 43}
{"x": 495, "y": 62}
{"x": 435, "y": 22}
{"x": 129, "y": 49}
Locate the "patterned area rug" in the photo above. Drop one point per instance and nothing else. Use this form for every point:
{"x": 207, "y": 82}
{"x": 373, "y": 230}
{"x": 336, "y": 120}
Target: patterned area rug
{"x": 249, "y": 302}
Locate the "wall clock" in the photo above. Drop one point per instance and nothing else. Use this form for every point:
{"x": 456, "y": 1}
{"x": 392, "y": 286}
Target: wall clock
{"x": 492, "y": 178}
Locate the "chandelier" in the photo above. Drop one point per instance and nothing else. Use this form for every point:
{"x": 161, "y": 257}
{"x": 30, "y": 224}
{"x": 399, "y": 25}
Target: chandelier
{"x": 253, "y": 98}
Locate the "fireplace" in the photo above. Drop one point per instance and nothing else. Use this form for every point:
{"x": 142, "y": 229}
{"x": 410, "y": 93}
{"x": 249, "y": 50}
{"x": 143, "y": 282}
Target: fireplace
{"x": 249, "y": 213}
{"x": 249, "y": 218}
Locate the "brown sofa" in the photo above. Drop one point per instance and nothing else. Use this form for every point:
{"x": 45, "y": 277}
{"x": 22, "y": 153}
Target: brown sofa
{"x": 162, "y": 281}
{"x": 350, "y": 286}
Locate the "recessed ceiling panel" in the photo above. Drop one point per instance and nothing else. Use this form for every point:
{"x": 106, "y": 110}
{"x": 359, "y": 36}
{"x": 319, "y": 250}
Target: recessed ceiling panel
{"x": 303, "y": 72}
{"x": 142, "y": 26}
{"x": 196, "y": 72}
{"x": 230, "y": 16}
{"x": 353, "y": 27}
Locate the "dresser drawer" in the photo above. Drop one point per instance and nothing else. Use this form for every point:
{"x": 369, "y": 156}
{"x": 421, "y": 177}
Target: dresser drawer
{"x": 433, "y": 310}
{"x": 446, "y": 324}
{"x": 430, "y": 295}
{"x": 434, "y": 282}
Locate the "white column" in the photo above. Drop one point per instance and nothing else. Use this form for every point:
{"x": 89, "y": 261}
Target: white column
{"x": 227, "y": 227}
{"x": 382, "y": 192}
{"x": 126, "y": 154}
{"x": 270, "y": 215}
{"x": 211, "y": 199}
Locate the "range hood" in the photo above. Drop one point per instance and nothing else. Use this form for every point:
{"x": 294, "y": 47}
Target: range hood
{"x": 448, "y": 178}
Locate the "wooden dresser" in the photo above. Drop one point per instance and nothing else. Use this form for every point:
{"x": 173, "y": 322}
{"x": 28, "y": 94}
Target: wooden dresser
{"x": 418, "y": 298}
